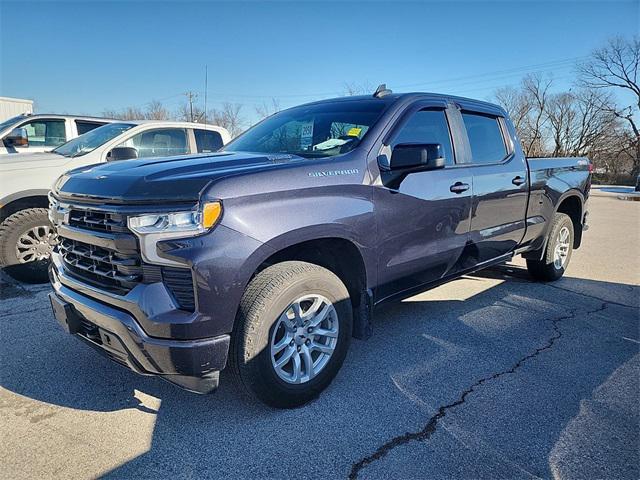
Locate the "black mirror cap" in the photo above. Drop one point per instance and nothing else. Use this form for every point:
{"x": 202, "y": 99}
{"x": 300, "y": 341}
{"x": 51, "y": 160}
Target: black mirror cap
{"x": 122, "y": 153}
{"x": 417, "y": 156}
{"x": 17, "y": 138}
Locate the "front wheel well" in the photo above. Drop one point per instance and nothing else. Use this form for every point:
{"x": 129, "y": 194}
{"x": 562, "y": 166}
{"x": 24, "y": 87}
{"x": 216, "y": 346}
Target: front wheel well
{"x": 572, "y": 206}
{"x": 339, "y": 256}
{"x": 34, "y": 201}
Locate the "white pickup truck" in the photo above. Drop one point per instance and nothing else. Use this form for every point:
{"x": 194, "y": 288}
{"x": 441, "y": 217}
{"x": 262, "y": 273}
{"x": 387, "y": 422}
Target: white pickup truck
{"x": 30, "y": 133}
{"x": 25, "y": 234}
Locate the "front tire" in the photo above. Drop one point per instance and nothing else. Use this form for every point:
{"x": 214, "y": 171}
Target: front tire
{"x": 26, "y": 240}
{"x": 292, "y": 333}
{"x": 557, "y": 253}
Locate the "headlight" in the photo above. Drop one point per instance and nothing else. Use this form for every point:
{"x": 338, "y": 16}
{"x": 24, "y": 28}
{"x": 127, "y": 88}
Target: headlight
{"x": 155, "y": 227}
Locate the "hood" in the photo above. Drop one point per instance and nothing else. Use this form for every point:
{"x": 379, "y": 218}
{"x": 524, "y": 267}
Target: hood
{"x": 178, "y": 179}
{"x": 20, "y": 161}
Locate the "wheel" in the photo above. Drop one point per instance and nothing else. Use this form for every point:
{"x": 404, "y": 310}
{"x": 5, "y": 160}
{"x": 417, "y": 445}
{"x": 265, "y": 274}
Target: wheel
{"x": 26, "y": 240}
{"x": 292, "y": 333}
{"x": 557, "y": 253}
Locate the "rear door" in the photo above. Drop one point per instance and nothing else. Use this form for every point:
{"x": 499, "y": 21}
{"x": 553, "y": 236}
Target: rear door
{"x": 500, "y": 189}
{"x": 423, "y": 224}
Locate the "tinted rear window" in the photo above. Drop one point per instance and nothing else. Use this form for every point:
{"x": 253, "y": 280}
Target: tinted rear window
{"x": 485, "y": 138}
{"x": 84, "y": 127}
{"x": 208, "y": 141}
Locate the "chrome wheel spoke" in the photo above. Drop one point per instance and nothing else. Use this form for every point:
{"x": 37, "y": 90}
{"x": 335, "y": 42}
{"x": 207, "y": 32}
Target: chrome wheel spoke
{"x": 308, "y": 362}
{"x": 296, "y": 376}
{"x": 286, "y": 356}
{"x": 321, "y": 332}
{"x": 303, "y": 338}
{"x": 285, "y": 341}
{"x": 321, "y": 348}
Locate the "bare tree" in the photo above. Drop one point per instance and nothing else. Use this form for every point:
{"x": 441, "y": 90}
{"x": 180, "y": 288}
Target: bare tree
{"x": 229, "y": 117}
{"x": 157, "y": 111}
{"x": 615, "y": 66}
{"x": 129, "y": 113}
{"x": 351, "y": 88}
{"x": 579, "y": 125}
{"x": 527, "y": 107}
{"x": 266, "y": 109}
{"x": 188, "y": 112}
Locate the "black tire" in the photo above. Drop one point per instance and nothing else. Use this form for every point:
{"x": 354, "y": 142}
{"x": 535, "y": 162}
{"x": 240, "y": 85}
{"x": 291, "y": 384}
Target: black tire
{"x": 267, "y": 296}
{"x": 545, "y": 269}
{"x": 10, "y": 231}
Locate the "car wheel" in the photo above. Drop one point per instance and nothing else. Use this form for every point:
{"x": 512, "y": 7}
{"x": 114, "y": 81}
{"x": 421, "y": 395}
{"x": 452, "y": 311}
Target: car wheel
{"x": 292, "y": 333}
{"x": 26, "y": 240}
{"x": 557, "y": 253}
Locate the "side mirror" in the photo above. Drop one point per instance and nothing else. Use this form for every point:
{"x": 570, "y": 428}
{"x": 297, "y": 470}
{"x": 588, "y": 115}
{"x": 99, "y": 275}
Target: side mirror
{"x": 409, "y": 158}
{"x": 17, "y": 138}
{"x": 122, "y": 153}
{"x": 417, "y": 157}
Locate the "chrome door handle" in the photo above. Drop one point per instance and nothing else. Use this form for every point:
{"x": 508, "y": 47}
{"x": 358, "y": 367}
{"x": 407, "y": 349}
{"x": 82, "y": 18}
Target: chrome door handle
{"x": 459, "y": 187}
{"x": 518, "y": 181}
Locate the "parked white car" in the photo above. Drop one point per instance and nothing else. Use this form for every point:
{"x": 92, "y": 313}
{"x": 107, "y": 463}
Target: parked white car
{"x": 25, "y": 180}
{"x": 43, "y": 132}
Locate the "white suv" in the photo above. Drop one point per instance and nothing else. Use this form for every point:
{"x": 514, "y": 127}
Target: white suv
{"x": 25, "y": 235}
{"x": 43, "y": 132}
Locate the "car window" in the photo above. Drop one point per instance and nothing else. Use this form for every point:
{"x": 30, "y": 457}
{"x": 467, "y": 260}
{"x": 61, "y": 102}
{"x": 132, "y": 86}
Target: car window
{"x": 45, "y": 133}
{"x": 207, "y": 141}
{"x": 312, "y": 131}
{"x": 84, "y": 126}
{"x": 427, "y": 126}
{"x": 161, "y": 142}
{"x": 485, "y": 138}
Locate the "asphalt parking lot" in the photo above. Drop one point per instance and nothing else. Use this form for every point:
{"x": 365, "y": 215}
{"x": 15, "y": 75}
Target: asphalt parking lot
{"x": 490, "y": 376}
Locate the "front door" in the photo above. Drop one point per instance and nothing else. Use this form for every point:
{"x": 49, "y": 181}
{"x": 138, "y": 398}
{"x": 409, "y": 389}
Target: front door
{"x": 423, "y": 225}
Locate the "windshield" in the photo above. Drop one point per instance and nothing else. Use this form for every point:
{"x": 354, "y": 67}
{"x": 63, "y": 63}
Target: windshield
{"x": 320, "y": 130}
{"x": 11, "y": 121}
{"x": 91, "y": 140}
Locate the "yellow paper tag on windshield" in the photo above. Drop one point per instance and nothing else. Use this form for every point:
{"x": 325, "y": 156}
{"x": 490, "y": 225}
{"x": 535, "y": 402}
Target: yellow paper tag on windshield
{"x": 354, "y": 132}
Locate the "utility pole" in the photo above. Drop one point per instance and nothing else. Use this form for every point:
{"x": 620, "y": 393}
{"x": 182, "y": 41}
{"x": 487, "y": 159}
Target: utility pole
{"x": 191, "y": 98}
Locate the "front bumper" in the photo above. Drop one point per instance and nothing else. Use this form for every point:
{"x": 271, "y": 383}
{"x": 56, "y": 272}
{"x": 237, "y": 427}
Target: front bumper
{"x": 190, "y": 364}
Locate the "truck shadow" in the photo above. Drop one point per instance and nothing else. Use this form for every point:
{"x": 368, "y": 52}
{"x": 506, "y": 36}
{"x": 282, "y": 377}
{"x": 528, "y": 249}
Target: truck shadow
{"x": 422, "y": 355}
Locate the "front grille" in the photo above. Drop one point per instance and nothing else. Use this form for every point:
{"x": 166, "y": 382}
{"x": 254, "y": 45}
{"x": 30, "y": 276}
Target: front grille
{"x": 97, "y": 220}
{"x": 112, "y": 270}
{"x": 104, "y": 268}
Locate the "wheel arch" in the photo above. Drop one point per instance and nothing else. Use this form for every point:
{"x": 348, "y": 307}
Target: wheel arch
{"x": 340, "y": 255}
{"x": 572, "y": 204}
{"x": 21, "y": 201}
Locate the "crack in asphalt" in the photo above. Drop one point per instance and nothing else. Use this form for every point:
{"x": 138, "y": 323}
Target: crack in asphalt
{"x": 430, "y": 427}
{"x": 600, "y": 299}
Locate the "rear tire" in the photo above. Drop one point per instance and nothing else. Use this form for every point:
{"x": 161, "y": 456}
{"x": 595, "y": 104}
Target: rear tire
{"x": 267, "y": 322}
{"x": 557, "y": 253}
{"x": 20, "y": 232}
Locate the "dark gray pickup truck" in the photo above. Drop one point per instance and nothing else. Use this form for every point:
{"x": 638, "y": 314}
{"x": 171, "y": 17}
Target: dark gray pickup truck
{"x": 267, "y": 257}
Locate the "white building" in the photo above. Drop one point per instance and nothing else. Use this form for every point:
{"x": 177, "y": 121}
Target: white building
{"x": 10, "y": 107}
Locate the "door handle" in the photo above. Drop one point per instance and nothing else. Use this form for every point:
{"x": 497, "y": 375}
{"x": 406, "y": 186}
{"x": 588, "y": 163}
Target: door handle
{"x": 518, "y": 180}
{"x": 459, "y": 187}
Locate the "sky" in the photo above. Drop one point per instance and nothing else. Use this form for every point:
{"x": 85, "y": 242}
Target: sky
{"x": 87, "y": 57}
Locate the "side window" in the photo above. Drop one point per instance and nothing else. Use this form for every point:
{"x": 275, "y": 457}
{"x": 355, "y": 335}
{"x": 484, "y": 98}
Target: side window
{"x": 84, "y": 126}
{"x": 162, "y": 142}
{"x": 45, "y": 133}
{"x": 485, "y": 138}
{"x": 427, "y": 126}
{"x": 207, "y": 141}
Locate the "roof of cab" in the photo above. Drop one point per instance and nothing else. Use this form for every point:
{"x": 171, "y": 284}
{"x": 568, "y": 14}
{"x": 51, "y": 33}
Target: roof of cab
{"x": 394, "y": 97}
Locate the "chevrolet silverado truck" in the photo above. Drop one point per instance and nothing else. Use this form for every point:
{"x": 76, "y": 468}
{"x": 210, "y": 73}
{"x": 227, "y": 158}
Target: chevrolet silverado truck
{"x": 267, "y": 257}
{"x": 26, "y": 237}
